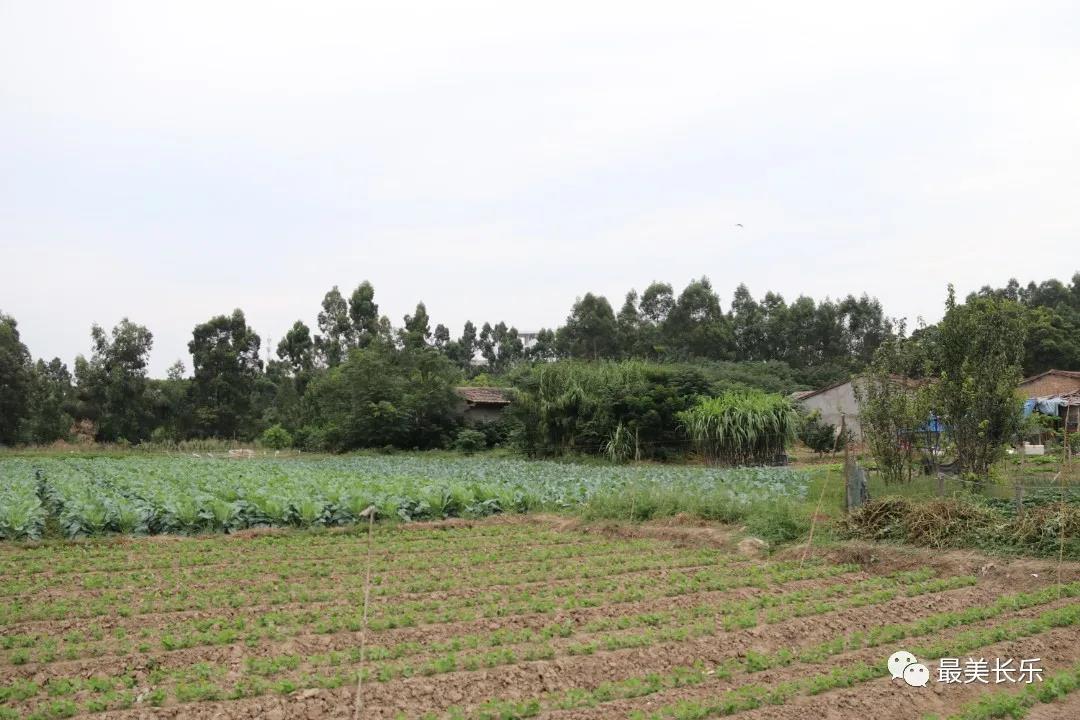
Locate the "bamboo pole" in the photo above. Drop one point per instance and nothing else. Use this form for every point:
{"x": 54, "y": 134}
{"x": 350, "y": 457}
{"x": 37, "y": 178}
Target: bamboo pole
{"x": 358, "y": 708}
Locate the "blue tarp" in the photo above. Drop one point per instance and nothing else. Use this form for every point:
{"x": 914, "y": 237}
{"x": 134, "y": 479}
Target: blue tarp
{"x": 1045, "y": 405}
{"x": 933, "y": 424}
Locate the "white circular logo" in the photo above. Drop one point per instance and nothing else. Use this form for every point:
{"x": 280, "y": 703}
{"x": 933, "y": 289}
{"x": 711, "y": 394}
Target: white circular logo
{"x": 898, "y": 661}
{"x": 917, "y": 675}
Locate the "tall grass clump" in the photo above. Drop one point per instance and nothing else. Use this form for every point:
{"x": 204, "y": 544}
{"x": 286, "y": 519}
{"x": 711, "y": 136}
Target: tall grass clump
{"x": 746, "y": 427}
{"x": 774, "y": 517}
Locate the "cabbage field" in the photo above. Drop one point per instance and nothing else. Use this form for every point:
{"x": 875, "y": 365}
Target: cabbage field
{"x": 90, "y": 496}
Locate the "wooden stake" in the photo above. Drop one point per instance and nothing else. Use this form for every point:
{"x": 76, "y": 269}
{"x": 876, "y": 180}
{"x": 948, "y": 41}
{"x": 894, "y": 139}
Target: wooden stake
{"x": 1018, "y": 490}
{"x": 1066, "y": 470}
{"x": 849, "y": 501}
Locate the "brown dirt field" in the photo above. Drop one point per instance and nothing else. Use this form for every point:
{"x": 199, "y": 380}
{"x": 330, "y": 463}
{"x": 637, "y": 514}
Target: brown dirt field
{"x": 323, "y": 643}
{"x": 564, "y": 667}
{"x": 1067, "y": 709}
{"x": 1056, "y": 649}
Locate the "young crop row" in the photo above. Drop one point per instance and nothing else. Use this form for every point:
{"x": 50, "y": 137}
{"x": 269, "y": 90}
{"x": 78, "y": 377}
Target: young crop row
{"x": 749, "y": 696}
{"x": 188, "y": 495}
{"x": 753, "y": 696}
{"x": 1015, "y": 705}
{"x": 456, "y": 590}
{"x": 268, "y": 673}
{"x": 731, "y": 614}
{"x": 484, "y": 603}
{"x": 400, "y": 538}
{"x": 409, "y": 576}
{"x": 386, "y": 553}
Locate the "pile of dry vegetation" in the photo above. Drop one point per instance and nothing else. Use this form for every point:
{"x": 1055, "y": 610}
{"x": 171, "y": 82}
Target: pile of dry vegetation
{"x": 957, "y": 522}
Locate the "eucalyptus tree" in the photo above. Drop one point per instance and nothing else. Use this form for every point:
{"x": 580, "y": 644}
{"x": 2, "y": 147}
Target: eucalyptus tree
{"x": 297, "y": 348}
{"x": 225, "y": 355}
{"x": 364, "y": 314}
{"x": 696, "y": 327}
{"x": 15, "y": 380}
{"x": 417, "y": 330}
{"x": 112, "y": 386}
{"x": 590, "y": 331}
{"x": 337, "y": 333}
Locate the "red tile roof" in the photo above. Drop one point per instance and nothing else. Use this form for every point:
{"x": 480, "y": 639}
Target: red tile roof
{"x": 1058, "y": 373}
{"x": 484, "y": 395}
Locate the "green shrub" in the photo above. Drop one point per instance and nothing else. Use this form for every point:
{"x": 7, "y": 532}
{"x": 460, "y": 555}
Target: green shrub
{"x": 818, "y": 435}
{"x": 498, "y": 432}
{"x": 384, "y": 395}
{"x": 580, "y": 407}
{"x": 277, "y": 438}
{"x": 470, "y": 441}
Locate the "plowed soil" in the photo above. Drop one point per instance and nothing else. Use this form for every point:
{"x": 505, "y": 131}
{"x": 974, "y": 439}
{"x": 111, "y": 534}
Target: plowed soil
{"x": 540, "y": 617}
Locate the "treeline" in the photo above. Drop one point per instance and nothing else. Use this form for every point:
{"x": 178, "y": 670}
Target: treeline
{"x": 1049, "y": 317}
{"x": 358, "y": 381}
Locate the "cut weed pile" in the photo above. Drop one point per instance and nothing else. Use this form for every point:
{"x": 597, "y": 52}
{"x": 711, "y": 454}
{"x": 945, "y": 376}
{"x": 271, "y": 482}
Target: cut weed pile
{"x": 958, "y": 523}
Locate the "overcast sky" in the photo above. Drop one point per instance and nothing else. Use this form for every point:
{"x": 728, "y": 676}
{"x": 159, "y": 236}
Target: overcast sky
{"x": 172, "y": 161}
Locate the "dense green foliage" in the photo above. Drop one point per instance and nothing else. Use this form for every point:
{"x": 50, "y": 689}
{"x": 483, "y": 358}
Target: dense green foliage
{"x": 15, "y": 380}
{"x": 891, "y": 410}
{"x": 629, "y": 407}
{"x": 185, "y": 495}
{"x": 113, "y": 390}
{"x": 767, "y": 344}
{"x": 21, "y": 512}
{"x": 227, "y": 367}
{"x": 1052, "y": 319}
{"x": 818, "y": 435}
{"x": 469, "y": 441}
{"x": 741, "y": 427}
{"x": 981, "y": 345}
{"x": 276, "y": 437}
{"x": 973, "y": 363}
{"x": 382, "y": 395}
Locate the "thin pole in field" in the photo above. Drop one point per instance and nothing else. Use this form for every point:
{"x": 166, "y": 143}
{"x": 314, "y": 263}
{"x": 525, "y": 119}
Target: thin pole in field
{"x": 358, "y": 709}
{"x": 821, "y": 495}
{"x": 1018, "y": 489}
{"x": 1066, "y": 470}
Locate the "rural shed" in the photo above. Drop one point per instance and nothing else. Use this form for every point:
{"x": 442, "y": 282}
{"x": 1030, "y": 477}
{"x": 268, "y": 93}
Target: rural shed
{"x": 835, "y": 403}
{"x": 1050, "y": 383}
{"x": 1064, "y": 407}
{"x": 482, "y": 404}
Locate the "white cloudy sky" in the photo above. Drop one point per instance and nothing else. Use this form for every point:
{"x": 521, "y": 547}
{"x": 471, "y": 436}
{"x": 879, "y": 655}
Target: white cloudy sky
{"x": 173, "y": 161}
